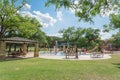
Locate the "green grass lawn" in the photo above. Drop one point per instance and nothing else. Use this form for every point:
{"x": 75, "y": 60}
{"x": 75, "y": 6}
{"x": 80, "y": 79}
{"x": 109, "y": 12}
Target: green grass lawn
{"x": 44, "y": 69}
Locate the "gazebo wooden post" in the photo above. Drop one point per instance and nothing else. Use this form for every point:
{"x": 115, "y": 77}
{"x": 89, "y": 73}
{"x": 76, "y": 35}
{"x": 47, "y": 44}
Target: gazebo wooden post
{"x": 10, "y": 45}
{"x": 36, "y": 50}
{"x": 64, "y": 50}
{"x": 76, "y": 51}
{"x": 2, "y": 49}
{"x": 14, "y": 47}
{"x": 24, "y": 49}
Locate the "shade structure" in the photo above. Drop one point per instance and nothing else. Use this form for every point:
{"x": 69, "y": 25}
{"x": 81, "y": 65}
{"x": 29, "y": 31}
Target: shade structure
{"x": 19, "y": 40}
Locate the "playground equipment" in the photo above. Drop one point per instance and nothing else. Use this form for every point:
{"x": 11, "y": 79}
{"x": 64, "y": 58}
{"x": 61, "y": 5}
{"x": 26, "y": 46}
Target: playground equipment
{"x": 56, "y": 47}
{"x": 70, "y": 49}
{"x": 72, "y": 52}
{"x": 92, "y": 50}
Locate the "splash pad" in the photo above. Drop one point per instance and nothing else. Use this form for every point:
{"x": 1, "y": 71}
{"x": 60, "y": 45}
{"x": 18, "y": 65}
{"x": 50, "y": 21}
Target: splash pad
{"x": 62, "y": 56}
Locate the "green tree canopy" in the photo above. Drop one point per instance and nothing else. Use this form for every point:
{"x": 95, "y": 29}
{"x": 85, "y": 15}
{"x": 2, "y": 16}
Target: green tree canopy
{"x": 116, "y": 40}
{"x": 50, "y": 40}
{"x": 115, "y": 21}
{"x": 68, "y": 33}
{"x": 9, "y": 18}
{"x": 71, "y": 34}
{"x": 28, "y": 25}
{"x": 85, "y": 9}
{"x": 84, "y": 37}
{"x": 39, "y": 36}
{"x": 13, "y": 23}
{"x": 93, "y": 37}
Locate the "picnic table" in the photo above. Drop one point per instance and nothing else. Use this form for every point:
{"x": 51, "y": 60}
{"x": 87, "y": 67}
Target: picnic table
{"x": 14, "y": 53}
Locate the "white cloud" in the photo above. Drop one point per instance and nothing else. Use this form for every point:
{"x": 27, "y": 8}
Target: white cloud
{"x": 27, "y": 7}
{"x": 55, "y": 34}
{"x": 59, "y": 15}
{"x": 45, "y": 19}
{"x": 76, "y": 2}
{"x": 27, "y": 13}
{"x": 105, "y": 35}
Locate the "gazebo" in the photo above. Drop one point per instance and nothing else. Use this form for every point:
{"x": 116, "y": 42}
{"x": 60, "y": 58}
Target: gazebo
{"x": 18, "y": 40}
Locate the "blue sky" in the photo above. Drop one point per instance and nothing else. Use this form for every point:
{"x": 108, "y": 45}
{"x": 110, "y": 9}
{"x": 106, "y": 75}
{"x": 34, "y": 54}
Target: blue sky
{"x": 55, "y": 20}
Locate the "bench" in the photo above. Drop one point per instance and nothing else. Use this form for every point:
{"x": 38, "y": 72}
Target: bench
{"x": 97, "y": 55}
{"x": 14, "y": 54}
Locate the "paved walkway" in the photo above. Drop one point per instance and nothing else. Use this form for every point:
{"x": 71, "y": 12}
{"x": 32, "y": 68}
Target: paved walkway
{"x": 81, "y": 57}
{"x": 61, "y": 57}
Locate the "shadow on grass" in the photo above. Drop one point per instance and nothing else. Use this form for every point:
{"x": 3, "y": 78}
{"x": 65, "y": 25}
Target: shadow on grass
{"x": 117, "y": 65}
{"x": 14, "y": 58}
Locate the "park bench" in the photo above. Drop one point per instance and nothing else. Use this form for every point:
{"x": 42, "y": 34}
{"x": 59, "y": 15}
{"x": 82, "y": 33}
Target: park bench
{"x": 96, "y": 55}
{"x": 14, "y": 54}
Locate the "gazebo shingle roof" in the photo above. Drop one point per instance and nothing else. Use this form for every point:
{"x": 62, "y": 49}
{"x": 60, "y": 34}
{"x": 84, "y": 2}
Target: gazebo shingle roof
{"x": 18, "y": 40}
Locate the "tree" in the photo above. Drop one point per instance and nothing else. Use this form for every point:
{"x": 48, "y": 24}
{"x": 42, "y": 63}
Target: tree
{"x": 93, "y": 37}
{"x": 26, "y": 25}
{"x": 68, "y": 34}
{"x": 116, "y": 39}
{"x": 72, "y": 34}
{"x": 84, "y": 37}
{"x": 50, "y": 40}
{"x": 14, "y": 24}
{"x": 85, "y": 9}
{"x": 115, "y": 21}
{"x": 39, "y": 36}
{"x": 9, "y": 18}
{"x": 115, "y": 24}
{"x": 30, "y": 26}
{"x": 81, "y": 42}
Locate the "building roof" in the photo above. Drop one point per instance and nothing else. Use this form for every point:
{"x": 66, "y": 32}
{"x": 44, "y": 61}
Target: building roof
{"x": 18, "y": 40}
